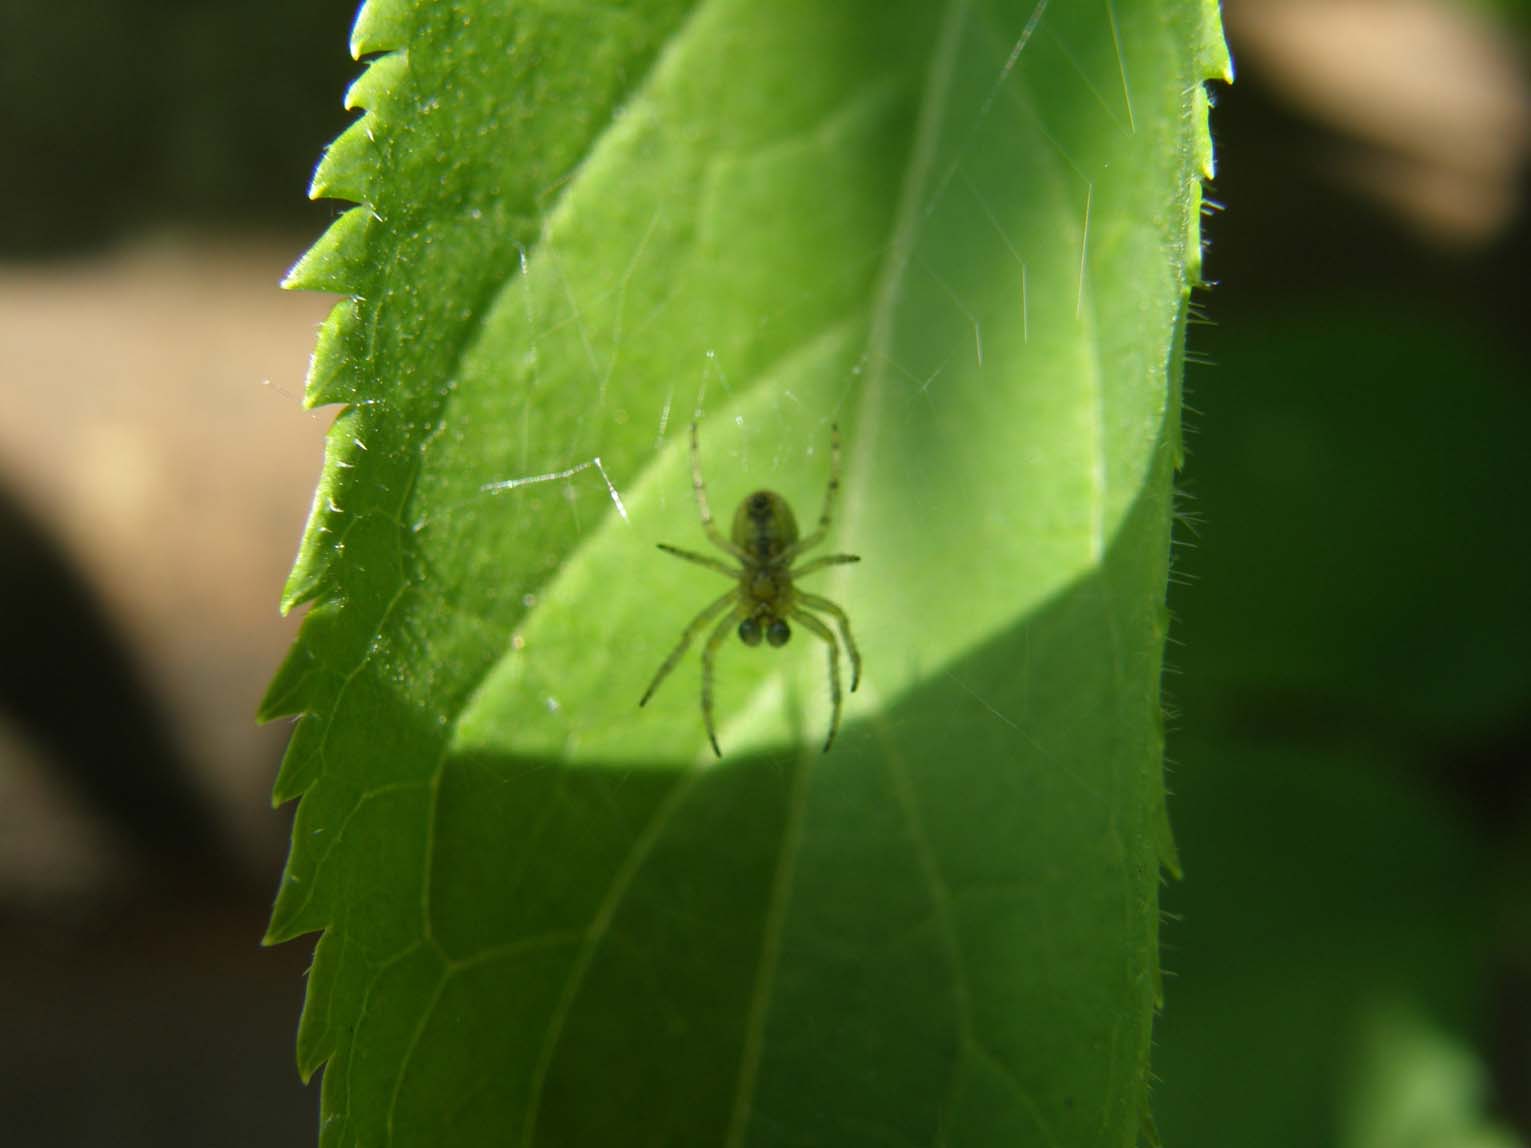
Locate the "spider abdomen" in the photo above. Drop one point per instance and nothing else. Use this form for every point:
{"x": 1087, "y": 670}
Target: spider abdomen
{"x": 764, "y": 525}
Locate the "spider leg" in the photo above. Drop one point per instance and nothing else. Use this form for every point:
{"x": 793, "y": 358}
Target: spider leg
{"x": 824, "y": 605}
{"x": 686, "y": 638}
{"x": 813, "y": 624}
{"x": 714, "y": 535}
{"x": 821, "y": 531}
{"x": 709, "y": 653}
{"x": 817, "y": 564}
{"x": 701, "y": 559}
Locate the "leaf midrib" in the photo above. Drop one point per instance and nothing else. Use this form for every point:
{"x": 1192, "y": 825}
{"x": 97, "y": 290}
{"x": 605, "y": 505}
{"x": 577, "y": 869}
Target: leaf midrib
{"x": 880, "y": 334}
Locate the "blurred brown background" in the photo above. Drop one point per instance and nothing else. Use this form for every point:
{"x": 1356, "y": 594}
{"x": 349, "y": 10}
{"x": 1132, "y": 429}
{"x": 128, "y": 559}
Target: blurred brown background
{"x": 156, "y": 468}
{"x": 155, "y": 471}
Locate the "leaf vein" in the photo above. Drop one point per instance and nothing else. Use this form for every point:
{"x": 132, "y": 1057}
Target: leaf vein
{"x": 770, "y": 953}
{"x": 594, "y": 934}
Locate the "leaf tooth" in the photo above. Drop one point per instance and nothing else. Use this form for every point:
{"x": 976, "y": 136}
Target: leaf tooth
{"x": 1212, "y": 55}
{"x": 349, "y": 165}
{"x": 303, "y": 900}
{"x": 336, "y": 262}
{"x": 332, "y": 375}
{"x": 285, "y": 913}
{"x": 316, "y": 551}
{"x": 301, "y": 904}
{"x": 1214, "y": 63}
{"x": 382, "y": 25}
{"x": 293, "y": 685}
{"x": 1164, "y": 841}
{"x": 322, "y": 542}
{"x": 316, "y": 1035}
{"x": 303, "y": 761}
{"x": 383, "y": 76}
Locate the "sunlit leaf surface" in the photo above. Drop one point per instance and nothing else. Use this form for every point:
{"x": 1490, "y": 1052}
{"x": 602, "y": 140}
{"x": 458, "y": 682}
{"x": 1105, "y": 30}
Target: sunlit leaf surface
{"x": 964, "y": 232}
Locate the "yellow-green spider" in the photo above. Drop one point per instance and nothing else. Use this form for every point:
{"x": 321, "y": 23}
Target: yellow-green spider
{"x": 766, "y": 544}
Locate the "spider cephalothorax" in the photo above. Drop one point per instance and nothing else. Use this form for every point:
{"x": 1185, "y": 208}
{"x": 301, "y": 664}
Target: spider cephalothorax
{"x": 765, "y": 542}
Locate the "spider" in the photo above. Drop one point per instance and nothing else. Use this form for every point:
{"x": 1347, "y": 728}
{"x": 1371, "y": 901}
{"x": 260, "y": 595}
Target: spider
{"x": 765, "y": 542}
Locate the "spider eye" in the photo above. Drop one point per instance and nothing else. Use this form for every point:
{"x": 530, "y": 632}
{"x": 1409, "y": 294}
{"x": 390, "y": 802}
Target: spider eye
{"x": 749, "y": 632}
{"x": 777, "y": 633}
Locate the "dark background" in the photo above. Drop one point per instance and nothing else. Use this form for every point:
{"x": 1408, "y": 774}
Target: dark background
{"x": 1349, "y": 954}
{"x": 155, "y": 471}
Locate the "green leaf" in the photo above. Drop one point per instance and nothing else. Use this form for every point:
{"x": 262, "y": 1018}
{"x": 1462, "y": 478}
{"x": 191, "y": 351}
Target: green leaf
{"x": 965, "y": 233}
